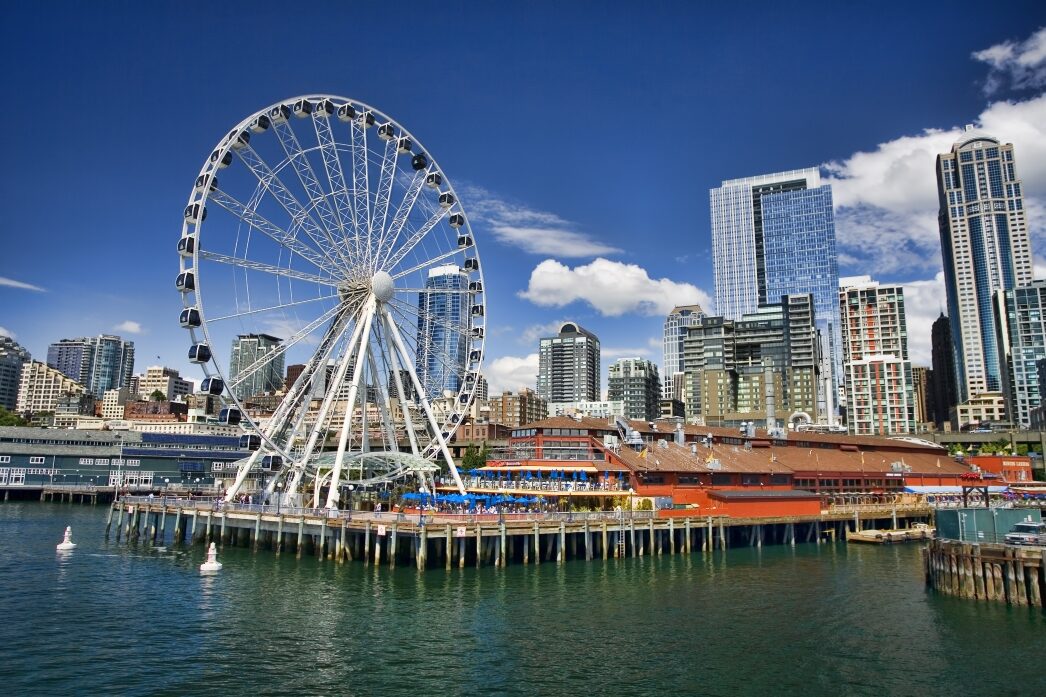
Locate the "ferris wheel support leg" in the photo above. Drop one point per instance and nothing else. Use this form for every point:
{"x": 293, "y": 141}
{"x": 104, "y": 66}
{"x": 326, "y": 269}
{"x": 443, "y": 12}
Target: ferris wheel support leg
{"x": 241, "y": 476}
{"x": 437, "y": 432}
{"x": 408, "y": 422}
{"x": 384, "y": 404}
{"x": 321, "y": 418}
{"x": 346, "y": 426}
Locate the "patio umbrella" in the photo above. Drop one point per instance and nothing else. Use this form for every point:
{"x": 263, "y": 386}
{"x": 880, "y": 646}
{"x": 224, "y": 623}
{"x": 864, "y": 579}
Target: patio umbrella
{"x": 584, "y": 477}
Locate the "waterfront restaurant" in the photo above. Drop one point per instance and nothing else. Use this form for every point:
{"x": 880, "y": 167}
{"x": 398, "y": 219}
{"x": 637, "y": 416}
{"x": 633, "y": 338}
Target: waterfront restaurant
{"x": 596, "y": 463}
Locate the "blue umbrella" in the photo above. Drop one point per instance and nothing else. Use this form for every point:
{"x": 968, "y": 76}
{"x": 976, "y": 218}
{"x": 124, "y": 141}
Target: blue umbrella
{"x": 584, "y": 477}
{"x": 574, "y": 475}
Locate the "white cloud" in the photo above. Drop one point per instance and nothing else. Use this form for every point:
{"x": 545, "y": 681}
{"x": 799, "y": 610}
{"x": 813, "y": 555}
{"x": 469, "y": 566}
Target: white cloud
{"x": 886, "y": 199}
{"x": 129, "y": 327}
{"x": 611, "y": 287}
{"x": 4, "y": 331}
{"x": 11, "y": 283}
{"x": 533, "y": 231}
{"x": 1020, "y": 63}
{"x": 511, "y": 373}
{"x": 536, "y": 331}
{"x": 924, "y": 301}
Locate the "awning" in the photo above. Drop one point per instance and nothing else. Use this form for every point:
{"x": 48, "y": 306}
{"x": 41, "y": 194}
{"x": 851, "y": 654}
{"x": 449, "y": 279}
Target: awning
{"x": 950, "y": 489}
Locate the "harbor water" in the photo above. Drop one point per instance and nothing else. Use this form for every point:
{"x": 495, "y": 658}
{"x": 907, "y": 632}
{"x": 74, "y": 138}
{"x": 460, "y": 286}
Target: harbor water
{"x": 113, "y": 618}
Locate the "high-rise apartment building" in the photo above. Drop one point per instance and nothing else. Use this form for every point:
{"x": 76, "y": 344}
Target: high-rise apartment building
{"x": 482, "y": 388}
{"x": 764, "y": 366}
{"x": 1020, "y": 315}
{"x": 984, "y": 243}
{"x": 41, "y": 387}
{"x": 517, "y": 409}
{"x": 636, "y": 383}
{"x": 921, "y": 380}
{"x": 99, "y": 363}
{"x": 676, "y": 324}
{"x": 568, "y": 365}
{"x": 12, "y": 357}
{"x": 880, "y": 399}
{"x": 774, "y": 235}
{"x": 166, "y": 380}
{"x": 443, "y": 330}
{"x": 266, "y": 375}
{"x": 945, "y": 395}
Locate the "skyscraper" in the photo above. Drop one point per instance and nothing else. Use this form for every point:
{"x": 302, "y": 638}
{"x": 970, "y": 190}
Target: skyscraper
{"x": 774, "y": 235}
{"x": 568, "y": 365}
{"x": 99, "y": 363}
{"x": 676, "y": 324}
{"x": 12, "y": 357}
{"x": 880, "y": 399}
{"x": 943, "y": 371}
{"x": 984, "y": 243}
{"x": 635, "y": 382}
{"x": 248, "y": 349}
{"x": 1021, "y": 321}
{"x": 443, "y": 330}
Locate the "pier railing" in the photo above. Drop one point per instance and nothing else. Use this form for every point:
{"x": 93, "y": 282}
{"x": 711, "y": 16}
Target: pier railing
{"x": 425, "y": 517}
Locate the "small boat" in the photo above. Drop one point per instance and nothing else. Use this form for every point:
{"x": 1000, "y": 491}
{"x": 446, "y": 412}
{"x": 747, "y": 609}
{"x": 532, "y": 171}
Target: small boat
{"x": 920, "y": 531}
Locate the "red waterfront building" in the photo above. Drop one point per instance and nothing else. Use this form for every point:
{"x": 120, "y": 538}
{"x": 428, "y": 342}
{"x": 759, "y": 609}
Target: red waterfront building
{"x": 714, "y": 470}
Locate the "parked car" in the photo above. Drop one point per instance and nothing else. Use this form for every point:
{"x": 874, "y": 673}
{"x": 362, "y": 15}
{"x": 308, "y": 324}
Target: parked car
{"x": 1027, "y": 533}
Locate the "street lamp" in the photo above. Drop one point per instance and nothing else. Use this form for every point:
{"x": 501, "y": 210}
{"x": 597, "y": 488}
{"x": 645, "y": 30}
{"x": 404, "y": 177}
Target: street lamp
{"x": 279, "y": 496}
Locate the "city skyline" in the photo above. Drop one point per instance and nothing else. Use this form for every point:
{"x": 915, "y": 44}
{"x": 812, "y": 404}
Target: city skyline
{"x": 615, "y": 257}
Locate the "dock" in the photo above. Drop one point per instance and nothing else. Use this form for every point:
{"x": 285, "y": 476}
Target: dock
{"x": 920, "y": 532}
{"x": 438, "y": 540}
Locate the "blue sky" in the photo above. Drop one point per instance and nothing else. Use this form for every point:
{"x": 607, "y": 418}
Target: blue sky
{"x": 583, "y": 138}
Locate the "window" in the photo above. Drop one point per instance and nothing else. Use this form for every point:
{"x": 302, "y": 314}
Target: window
{"x": 4, "y": 459}
{"x": 104, "y": 461}
{"x": 86, "y": 460}
{"x": 36, "y": 460}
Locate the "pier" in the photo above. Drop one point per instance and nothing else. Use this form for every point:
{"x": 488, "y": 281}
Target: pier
{"x": 996, "y": 572}
{"x": 437, "y": 540}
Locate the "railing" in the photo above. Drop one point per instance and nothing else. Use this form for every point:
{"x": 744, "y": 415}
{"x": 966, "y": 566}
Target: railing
{"x": 878, "y": 508}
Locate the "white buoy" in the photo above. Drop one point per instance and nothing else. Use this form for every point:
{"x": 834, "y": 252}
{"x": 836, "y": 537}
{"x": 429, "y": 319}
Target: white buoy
{"x": 212, "y": 563}
{"x": 67, "y": 544}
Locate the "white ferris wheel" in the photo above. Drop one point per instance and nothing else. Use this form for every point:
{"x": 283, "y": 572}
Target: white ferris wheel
{"x": 321, "y": 233}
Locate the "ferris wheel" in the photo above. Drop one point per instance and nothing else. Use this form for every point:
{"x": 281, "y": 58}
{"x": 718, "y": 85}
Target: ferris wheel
{"x": 321, "y": 234}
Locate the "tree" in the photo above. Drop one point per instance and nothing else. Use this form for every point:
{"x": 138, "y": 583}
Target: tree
{"x": 158, "y": 396}
{"x": 9, "y": 418}
{"x": 474, "y": 458}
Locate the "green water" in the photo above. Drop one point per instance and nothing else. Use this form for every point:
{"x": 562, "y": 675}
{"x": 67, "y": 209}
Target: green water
{"x": 116, "y": 619}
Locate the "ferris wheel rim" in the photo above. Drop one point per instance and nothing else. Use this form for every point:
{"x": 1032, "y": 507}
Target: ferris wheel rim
{"x": 195, "y": 300}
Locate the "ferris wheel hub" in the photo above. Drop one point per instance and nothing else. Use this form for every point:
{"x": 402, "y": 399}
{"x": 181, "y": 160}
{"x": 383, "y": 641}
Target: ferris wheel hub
{"x": 382, "y": 285}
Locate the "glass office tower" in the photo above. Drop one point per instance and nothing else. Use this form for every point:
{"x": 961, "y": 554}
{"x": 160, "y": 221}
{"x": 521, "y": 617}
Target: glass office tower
{"x": 443, "y": 331}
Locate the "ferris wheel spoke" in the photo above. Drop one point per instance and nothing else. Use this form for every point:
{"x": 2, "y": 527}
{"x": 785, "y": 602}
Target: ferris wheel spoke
{"x": 300, "y": 216}
{"x": 284, "y": 346}
{"x": 426, "y": 264}
{"x": 307, "y": 176}
{"x": 376, "y": 228}
{"x": 335, "y": 174}
{"x": 267, "y": 268}
{"x": 247, "y": 214}
{"x": 417, "y": 236}
{"x": 410, "y": 197}
{"x": 254, "y": 311}
{"x": 360, "y": 180}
